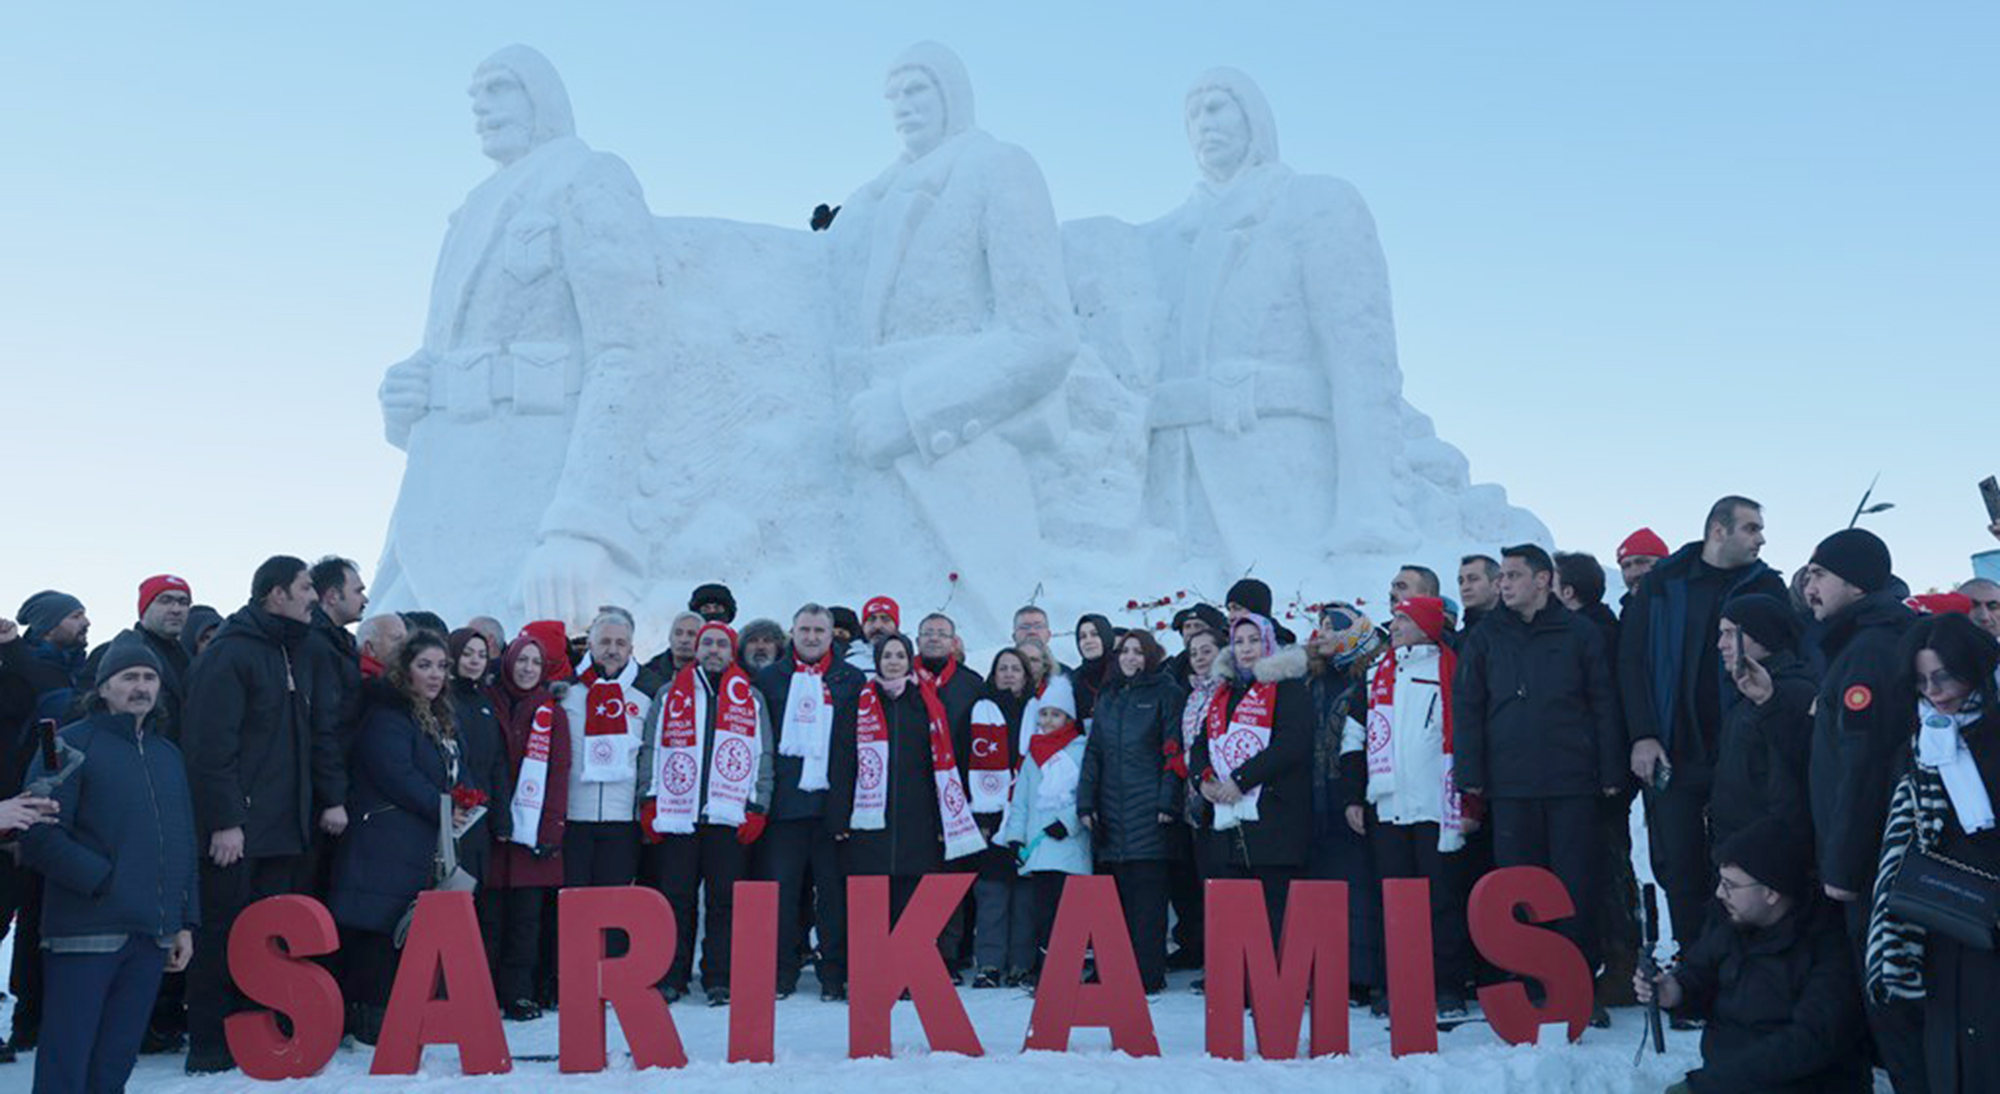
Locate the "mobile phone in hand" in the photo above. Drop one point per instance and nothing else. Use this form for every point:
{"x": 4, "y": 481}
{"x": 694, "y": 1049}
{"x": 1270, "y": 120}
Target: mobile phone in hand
{"x": 1989, "y": 489}
{"x": 45, "y": 735}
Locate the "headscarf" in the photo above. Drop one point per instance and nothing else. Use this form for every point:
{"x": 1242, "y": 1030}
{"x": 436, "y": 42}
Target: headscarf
{"x": 1256, "y": 114}
{"x": 543, "y": 87}
{"x": 1265, "y": 630}
{"x": 948, "y": 72}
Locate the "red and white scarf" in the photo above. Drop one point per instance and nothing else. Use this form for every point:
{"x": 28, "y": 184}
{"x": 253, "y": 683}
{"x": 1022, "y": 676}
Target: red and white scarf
{"x": 940, "y": 678}
{"x": 1059, "y": 770}
{"x": 808, "y": 722}
{"x": 1234, "y": 738}
{"x": 613, "y": 725}
{"x": 871, "y": 772}
{"x": 1381, "y": 747}
{"x": 679, "y": 758}
{"x": 991, "y": 765}
{"x": 531, "y": 783}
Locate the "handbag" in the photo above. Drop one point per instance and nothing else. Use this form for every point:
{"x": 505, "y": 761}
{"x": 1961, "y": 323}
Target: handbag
{"x": 1948, "y": 897}
{"x": 447, "y": 876}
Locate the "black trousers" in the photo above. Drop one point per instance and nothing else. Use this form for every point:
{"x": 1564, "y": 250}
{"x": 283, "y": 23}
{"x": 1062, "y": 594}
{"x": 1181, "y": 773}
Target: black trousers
{"x": 792, "y": 853}
{"x": 1048, "y": 887}
{"x": 1561, "y": 836}
{"x": 225, "y": 892}
{"x": 1896, "y": 1029}
{"x": 707, "y": 864}
{"x": 1184, "y": 892}
{"x": 25, "y": 981}
{"x": 510, "y": 923}
{"x": 600, "y": 853}
{"x": 1677, "y": 840}
{"x": 1411, "y": 851}
{"x": 371, "y": 966}
{"x": 1142, "y": 893}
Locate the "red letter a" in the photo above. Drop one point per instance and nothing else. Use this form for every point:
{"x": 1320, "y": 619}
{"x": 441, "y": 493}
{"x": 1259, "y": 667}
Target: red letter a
{"x": 281, "y": 978}
{"x": 444, "y": 951}
{"x": 1314, "y": 959}
{"x": 1088, "y": 917}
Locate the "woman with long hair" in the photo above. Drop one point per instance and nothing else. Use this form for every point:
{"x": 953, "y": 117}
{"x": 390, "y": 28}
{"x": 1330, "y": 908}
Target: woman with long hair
{"x": 407, "y": 758}
{"x": 527, "y": 865}
{"x": 1003, "y": 940}
{"x": 1129, "y": 793}
{"x": 1942, "y": 815}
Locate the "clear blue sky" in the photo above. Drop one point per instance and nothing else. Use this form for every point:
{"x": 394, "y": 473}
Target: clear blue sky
{"x": 1641, "y": 255}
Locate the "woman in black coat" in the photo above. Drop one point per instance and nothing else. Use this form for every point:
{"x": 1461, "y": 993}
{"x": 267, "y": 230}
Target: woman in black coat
{"x": 1003, "y": 943}
{"x": 1947, "y": 799}
{"x": 406, "y": 759}
{"x": 1129, "y": 792}
{"x": 485, "y": 748}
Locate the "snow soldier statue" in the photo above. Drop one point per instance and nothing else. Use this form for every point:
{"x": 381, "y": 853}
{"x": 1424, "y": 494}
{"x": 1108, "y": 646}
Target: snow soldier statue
{"x": 1279, "y": 400}
{"x": 954, "y": 336}
{"x": 530, "y": 393}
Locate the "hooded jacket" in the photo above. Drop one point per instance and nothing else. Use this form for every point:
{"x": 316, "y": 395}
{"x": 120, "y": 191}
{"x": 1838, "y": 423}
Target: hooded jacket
{"x": 1282, "y": 832}
{"x": 248, "y": 734}
{"x": 1533, "y": 709}
{"x": 1126, "y": 785}
{"x": 1857, "y": 729}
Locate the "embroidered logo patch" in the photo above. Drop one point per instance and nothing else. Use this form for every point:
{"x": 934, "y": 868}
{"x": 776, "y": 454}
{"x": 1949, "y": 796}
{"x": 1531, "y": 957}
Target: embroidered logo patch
{"x": 1858, "y": 698}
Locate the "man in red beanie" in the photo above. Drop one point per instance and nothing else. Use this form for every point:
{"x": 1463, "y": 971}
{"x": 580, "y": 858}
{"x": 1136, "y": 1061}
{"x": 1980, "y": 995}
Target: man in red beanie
{"x": 881, "y": 616}
{"x": 164, "y": 601}
{"x": 1641, "y": 551}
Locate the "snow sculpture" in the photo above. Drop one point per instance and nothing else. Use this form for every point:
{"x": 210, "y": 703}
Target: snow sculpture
{"x": 536, "y": 377}
{"x": 954, "y": 335}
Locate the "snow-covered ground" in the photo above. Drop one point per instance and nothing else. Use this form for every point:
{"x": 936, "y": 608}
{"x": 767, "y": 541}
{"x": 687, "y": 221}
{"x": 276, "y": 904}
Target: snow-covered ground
{"x": 812, "y": 1049}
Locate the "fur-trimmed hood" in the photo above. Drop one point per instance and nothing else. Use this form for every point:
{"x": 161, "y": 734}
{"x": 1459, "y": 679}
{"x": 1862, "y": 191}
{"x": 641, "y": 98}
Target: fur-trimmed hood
{"x": 1288, "y": 663}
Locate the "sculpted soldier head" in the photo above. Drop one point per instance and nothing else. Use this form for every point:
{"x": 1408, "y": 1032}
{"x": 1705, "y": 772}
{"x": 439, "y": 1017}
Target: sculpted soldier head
{"x": 930, "y": 97}
{"x": 518, "y": 104}
{"x": 1229, "y": 125}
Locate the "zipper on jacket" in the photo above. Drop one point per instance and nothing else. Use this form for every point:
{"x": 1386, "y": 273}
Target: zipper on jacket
{"x": 159, "y": 829}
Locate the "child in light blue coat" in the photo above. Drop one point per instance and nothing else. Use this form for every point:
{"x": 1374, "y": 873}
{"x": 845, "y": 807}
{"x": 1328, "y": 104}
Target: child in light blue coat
{"x": 1041, "y": 822}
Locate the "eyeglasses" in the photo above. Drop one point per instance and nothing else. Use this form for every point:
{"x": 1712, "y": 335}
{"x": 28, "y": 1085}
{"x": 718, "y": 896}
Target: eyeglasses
{"x": 1729, "y": 886}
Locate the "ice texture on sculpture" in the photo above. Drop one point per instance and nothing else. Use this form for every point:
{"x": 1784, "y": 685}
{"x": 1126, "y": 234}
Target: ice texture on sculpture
{"x": 537, "y": 376}
{"x": 954, "y": 334}
{"x": 947, "y": 397}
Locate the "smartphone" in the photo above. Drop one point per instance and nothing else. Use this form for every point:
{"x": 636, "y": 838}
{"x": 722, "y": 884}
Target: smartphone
{"x": 1989, "y": 489}
{"x": 45, "y": 734}
{"x": 1739, "y": 649}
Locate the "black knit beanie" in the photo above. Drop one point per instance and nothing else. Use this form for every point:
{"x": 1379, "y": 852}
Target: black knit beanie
{"x": 1857, "y": 556}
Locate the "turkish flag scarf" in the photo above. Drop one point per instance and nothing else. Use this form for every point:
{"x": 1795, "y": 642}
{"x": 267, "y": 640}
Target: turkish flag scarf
{"x": 610, "y": 742}
{"x": 807, "y": 728}
{"x": 871, "y": 772}
{"x": 991, "y": 768}
{"x": 1382, "y": 719}
{"x": 678, "y": 759}
{"x": 1234, "y": 738}
{"x": 531, "y": 783}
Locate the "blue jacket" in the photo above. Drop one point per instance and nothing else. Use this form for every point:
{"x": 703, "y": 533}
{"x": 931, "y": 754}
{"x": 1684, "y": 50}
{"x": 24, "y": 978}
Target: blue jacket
{"x": 1659, "y": 655}
{"x": 121, "y": 857}
{"x": 1026, "y": 818}
{"x": 389, "y": 852}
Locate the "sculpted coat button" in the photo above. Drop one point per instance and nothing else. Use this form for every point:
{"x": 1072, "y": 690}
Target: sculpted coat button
{"x": 942, "y": 442}
{"x": 971, "y": 431}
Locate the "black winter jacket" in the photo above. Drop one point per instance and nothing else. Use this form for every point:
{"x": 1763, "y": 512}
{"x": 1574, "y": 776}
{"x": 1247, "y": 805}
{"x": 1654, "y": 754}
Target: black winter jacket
{"x": 248, "y": 735}
{"x": 121, "y": 857}
{"x": 1761, "y": 770}
{"x": 844, "y": 681}
{"x": 1282, "y": 832}
{"x": 1857, "y": 730}
{"x": 1125, "y": 787}
{"x": 1533, "y": 708}
{"x": 336, "y": 673}
{"x": 1782, "y": 1004}
{"x": 1669, "y": 671}
{"x": 912, "y": 841}
{"x": 389, "y": 851}
{"x": 483, "y": 746}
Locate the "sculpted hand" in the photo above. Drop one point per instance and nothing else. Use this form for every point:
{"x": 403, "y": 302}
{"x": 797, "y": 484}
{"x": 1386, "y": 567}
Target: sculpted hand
{"x": 225, "y": 848}
{"x": 565, "y": 578}
{"x": 405, "y": 395}
{"x": 1646, "y": 756}
{"x": 877, "y": 428}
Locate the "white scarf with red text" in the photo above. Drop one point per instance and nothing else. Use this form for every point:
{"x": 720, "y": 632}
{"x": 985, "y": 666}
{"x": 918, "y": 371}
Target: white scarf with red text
{"x": 807, "y": 728}
{"x": 871, "y": 772}
{"x": 1234, "y": 738}
{"x": 531, "y": 783}
{"x": 677, "y": 761}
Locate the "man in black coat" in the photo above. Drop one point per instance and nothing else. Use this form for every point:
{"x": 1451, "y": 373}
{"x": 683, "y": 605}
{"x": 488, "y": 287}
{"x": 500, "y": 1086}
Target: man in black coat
{"x": 248, "y": 736}
{"x": 1775, "y": 980}
{"x": 1478, "y": 589}
{"x": 1766, "y": 739}
{"x": 1857, "y": 729}
{"x": 1536, "y": 731}
{"x": 1675, "y": 693}
{"x": 798, "y": 844}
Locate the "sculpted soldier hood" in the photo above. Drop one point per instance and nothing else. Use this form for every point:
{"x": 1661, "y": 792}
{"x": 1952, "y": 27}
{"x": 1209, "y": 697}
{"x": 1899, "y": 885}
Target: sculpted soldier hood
{"x": 544, "y": 89}
{"x": 1256, "y": 113}
{"x": 948, "y": 73}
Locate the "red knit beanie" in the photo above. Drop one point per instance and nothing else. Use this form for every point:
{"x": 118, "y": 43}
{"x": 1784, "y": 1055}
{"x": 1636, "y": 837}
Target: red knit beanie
{"x": 882, "y": 605}
{"x": 157, "y": 584}
{"x": 1646, "y": 542}
{"x": 1427, "y": 612}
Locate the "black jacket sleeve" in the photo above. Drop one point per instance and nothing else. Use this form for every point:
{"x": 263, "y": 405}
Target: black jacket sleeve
{"x": 1603, "y": 695}
{"x": 1635, "y": 681}
{"x": 1869, "y": 738}
{"x": 1468, "y": 713}
{"x": 212, "y": 739}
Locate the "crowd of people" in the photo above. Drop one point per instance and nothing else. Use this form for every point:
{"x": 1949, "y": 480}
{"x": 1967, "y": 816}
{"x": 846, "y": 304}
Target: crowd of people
{"x": 1817, "y": 758}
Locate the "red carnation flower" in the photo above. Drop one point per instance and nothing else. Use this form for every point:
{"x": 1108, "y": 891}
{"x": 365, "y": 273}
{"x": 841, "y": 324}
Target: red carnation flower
{"x": 467, "y": 797}
{"x": 1160, "y": 626}
{"x": 1131, "y": 605}
{"x": 952, "y": 576}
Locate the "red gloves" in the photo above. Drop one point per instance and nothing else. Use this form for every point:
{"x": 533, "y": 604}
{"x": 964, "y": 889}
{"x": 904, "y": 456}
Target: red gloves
{"x": 751, "y": 830}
